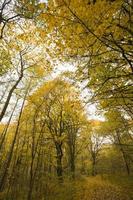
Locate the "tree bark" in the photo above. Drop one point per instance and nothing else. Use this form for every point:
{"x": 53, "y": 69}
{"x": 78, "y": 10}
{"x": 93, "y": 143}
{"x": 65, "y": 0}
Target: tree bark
{"x": 59, "y": 161}
{"x": 12, "y": 90}
{"x": 123, "y": 154}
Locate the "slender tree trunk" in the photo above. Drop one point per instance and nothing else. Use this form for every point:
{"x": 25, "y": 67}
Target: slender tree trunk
{"x": 35, "y": 143}
{"x": 123, "y": 154}
{"x": 9, "y": 156}
{"x": 12, "y": 90}
{"x": 31, "y": 182}
{"x": 72, "y": 165}
{"x": 72, "y": 133}
{"x": 59, "y": 162}
{"x": 6, "y": 128}
{"x": 93, "y": 167}
{"x": 33, "y": 153}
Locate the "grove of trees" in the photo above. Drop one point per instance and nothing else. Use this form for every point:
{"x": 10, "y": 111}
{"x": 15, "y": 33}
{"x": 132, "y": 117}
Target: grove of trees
{"x": 59, "y": 61}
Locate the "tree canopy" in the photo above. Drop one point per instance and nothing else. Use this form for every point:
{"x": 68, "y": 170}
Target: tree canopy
{"x": 61, "y": 61}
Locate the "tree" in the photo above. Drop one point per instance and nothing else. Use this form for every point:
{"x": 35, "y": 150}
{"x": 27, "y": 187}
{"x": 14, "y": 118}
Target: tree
{"x": 74, "y": 122}
{"x": 14, "y": 11}
{"x": 9, "y": 156}
{"x": 95, "y": 141}
{"x": 117, "y": 128}
{"x": 102, "y": 47}
{"x": 59, "y": 102}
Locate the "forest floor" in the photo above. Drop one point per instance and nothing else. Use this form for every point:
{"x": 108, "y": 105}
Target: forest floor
{"x": 100, "y": 187}
{"x": 103, "y": 187}
{"x": 125, "y": 182}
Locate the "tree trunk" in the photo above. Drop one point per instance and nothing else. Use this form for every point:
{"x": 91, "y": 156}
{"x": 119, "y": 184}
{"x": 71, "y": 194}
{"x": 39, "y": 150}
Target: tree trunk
{"x": 59, "y": 169}
{"x": 123, "y": 154}
{"x": 72, "y": 166}
{"x": 94, "y": 167}
{"x": 12, "y": 90}
{"x": 2, "y": 139}
{"x": 9, "y": 156}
